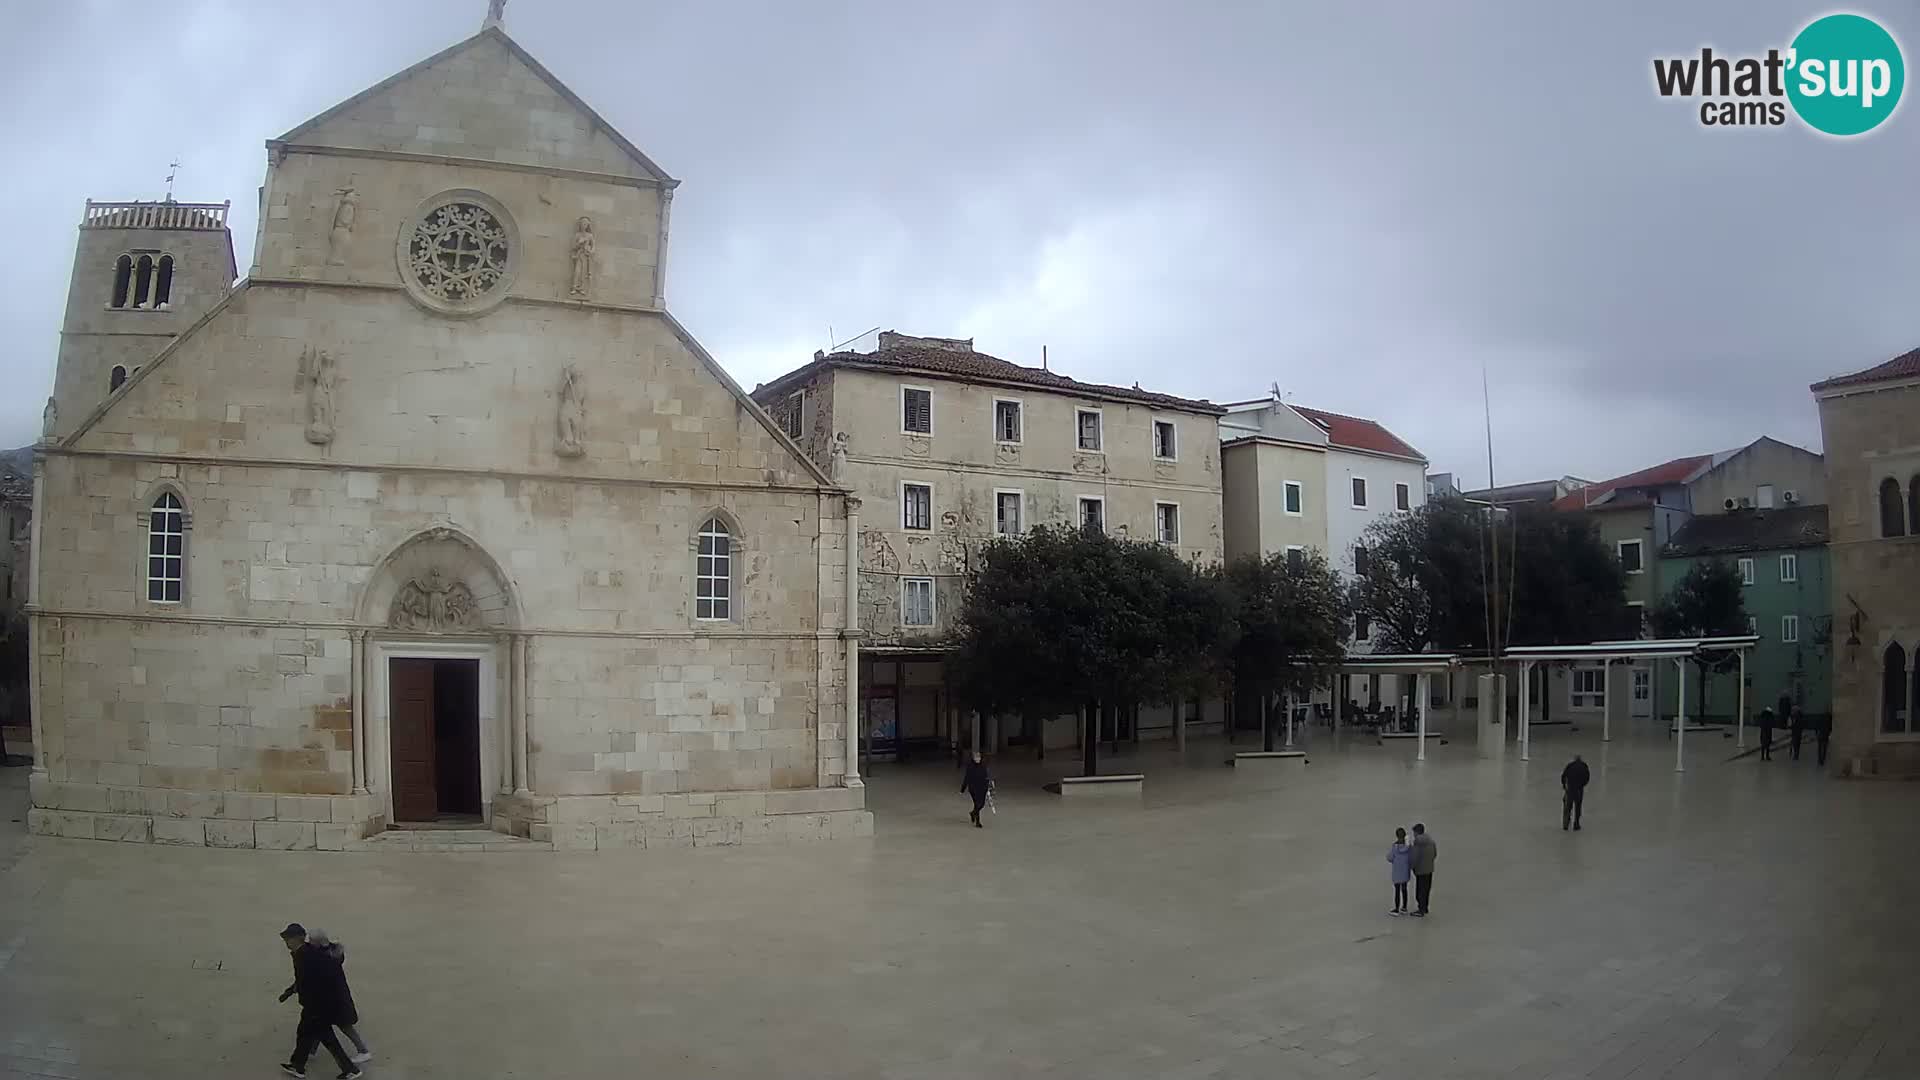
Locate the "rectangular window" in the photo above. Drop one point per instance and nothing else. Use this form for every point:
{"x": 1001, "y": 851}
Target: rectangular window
{"x": 1296, "y": 557}
{"x": 1789, "y": 568}
{"x": 916, "y": 601}
{"x": 1166, "y": 518}
{"x": 1402, "y": 497}
{"x": 1790, "y": 628}
{"x": 916, "y": 411}
{"x": 1630, "y": 556}
{"x": 1007, "y": 512}
{"x": 1295, "y": 497}
{"x": 1362, "y": 629}
{"x": 916, "y": 506}
{"x": 1087, "y": 428}
{"x": 1589, "y": 688}
{"x": 1642, "y": 684}
{"x": 796, "y": 409}
{"x": 1637, "y": 617}
{"x": 1746, "y": 571}
{"x": 1163, "y": 441}
{"x": 1763, "y": 497}
{"x": 1093, "y": 514}
{"x": 1360, "y": 492}
{"x": 1753, "y": 625}
{"x": 1006, "y": 421}
{"x": 1360, "y": 561}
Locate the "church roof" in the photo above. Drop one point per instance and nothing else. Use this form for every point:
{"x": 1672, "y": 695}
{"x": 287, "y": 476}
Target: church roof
{"x": 1904, "y": 366}
{"x": 496, "y": 34}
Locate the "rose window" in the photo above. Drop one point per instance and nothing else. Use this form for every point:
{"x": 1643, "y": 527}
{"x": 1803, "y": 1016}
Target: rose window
{"x": 458, "y": 253}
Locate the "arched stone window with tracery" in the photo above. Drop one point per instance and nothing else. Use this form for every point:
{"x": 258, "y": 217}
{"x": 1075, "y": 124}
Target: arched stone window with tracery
{"x": 1894, "y": 717}
{"x": 459, "y": 254}
{"x": 166, "y": 549}
{"x": 1892, "y": 513}
{"x": 713, "y": 572}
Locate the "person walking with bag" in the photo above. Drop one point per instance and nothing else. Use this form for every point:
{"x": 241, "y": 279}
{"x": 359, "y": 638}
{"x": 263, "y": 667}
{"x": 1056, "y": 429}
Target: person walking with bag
{"x": 977, "y": 782}
{"x": 1573, "y": 791}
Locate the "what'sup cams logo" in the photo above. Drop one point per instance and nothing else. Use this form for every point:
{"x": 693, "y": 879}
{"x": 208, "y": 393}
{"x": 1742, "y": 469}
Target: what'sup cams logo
{"x": 1842, "y": 75}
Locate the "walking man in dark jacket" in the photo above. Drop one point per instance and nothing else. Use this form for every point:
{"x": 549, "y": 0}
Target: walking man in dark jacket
{"x": 1796, "y": 727}
{"x": 1766, "y": 734}
{"x": 1822, "y": 732}
{"x": 977, "y": 783}
{"x": 321, "y": 985}
{"x": 1573, "y": 790}
{"x": 1425, "y": 851}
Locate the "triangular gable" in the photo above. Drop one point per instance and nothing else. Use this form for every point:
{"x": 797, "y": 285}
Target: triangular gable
{"x": 706, "y": 359}
{"x": 315, "y": 130}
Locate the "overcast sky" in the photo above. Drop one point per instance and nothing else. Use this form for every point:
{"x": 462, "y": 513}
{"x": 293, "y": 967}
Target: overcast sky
{"x": 1364, "y": 203}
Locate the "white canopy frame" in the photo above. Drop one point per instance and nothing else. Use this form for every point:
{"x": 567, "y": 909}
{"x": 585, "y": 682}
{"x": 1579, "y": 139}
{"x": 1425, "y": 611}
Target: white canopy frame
{"x": 1679, "y": 650}
{"x": 1421, "y": 665}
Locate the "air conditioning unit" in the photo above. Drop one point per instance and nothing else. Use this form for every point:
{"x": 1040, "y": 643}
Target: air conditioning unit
{"x": 1729, "y": 504}
{"x": 1789, "y": 496}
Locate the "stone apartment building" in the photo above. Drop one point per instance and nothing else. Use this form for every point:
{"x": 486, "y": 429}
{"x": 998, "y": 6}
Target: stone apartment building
{"x": 1872, "y": 438}
{"x": 439, "y": 516}
{"x": 1298, "y": 477}
{"x": 946, "y": 447}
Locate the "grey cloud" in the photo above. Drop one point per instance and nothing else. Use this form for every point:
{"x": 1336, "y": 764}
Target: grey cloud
{"x": 1364, "y": 205}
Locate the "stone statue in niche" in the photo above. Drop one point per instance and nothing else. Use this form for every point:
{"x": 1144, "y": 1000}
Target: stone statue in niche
{"x": 571, "y": 442}
{"x": 582, "y": 259}
{"x": 344, "y": 211}
{"x": 49, "y": 419}
{"x": 434, "y": 604}
{"x": 837, "y": 460}
{"x": 316, "y": 377}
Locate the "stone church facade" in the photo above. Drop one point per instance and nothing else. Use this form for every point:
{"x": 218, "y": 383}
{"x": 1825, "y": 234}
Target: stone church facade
{"x": 438, "y": 515}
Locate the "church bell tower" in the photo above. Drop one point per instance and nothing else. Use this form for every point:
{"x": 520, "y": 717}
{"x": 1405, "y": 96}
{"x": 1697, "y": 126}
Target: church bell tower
{"x": 142, "y": 273}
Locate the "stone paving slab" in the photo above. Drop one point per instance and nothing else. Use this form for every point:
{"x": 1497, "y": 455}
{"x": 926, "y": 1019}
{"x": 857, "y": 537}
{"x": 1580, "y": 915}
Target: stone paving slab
{"x": 1743, "y": 919}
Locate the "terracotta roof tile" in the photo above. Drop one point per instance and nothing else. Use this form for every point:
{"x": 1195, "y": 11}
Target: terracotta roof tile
{"x": 1677, "y": 471}
{"x": 1904, "y": 366}
{"x": 1357, "y": 433}
{"x": 978, "y": 365}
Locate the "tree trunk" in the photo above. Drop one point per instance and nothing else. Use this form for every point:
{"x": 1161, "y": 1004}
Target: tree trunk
{"x": 1266, "y": 722}
{"x": 1040, "y": 734}
{"x": 1090, "y": 744}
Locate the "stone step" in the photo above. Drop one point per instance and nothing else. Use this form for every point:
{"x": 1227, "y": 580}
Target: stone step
{"x": 449, "y": 840}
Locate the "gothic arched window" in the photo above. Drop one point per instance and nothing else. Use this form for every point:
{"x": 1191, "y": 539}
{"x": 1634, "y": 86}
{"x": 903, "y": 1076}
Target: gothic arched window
{"x": 116, "y": 377}
{"x": 166, "y": 549}
{"x": 1892, "y": 514}
{"x": 1913, "y": 506}
{"x": 713, "y": 572}
{"x": 1894, "y": 718}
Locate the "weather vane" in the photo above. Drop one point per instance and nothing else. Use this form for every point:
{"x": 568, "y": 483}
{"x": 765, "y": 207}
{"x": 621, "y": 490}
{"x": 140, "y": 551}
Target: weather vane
{"x": 172, "y": 168}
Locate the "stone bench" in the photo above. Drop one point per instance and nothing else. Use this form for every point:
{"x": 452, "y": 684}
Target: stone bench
{"x": 1270, "y": 759}
{"x": 1435, "y": 737}
{"x": 1114, "y": 784}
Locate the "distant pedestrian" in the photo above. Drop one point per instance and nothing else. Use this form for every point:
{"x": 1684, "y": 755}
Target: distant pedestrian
{"x": 1573, "y": 791}
{"x": 1766, "y": 734}
{"x": 1784, "y": 708}
{"x": 1425, "y": 851}
{"x": 1822, "y": 732}
{"x": 1796, "y": 726}
{"x": 349, "y": 1020}
{"x": 977, "y": 783}
{"x": 1400, "y": 857}
{"x": 321, "y": 985}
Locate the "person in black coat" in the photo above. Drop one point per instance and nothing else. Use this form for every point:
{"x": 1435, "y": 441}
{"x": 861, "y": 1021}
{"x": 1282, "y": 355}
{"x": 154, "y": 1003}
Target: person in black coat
{"x": 1822, "y": 731}
{"x": 1796, "y": 727}
{"x": 1766, "y": 734}
{"x": 976, "y": 783}
{"x": 322, "y": 986}
{"x": 1573, "y": 787}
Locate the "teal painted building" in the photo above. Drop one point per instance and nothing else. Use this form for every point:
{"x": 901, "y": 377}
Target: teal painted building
{"x": 1782, "y": 556}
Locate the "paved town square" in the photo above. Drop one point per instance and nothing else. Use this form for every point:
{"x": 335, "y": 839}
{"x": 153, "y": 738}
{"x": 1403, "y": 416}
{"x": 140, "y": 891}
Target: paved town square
{"x": 1738, "y": 920}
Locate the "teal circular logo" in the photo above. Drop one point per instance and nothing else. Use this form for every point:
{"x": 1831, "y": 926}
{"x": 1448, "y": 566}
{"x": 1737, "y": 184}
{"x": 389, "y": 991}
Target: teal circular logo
{"x": 1845, "y": 74}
